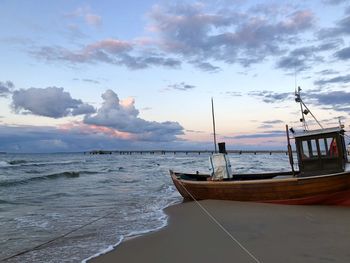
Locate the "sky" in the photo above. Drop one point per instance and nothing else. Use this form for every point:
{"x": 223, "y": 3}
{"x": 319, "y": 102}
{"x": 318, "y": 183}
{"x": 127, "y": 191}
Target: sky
{"x": 140, "y": 75}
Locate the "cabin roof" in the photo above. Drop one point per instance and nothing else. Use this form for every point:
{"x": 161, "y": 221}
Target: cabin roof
{"x": 318, "y": 132}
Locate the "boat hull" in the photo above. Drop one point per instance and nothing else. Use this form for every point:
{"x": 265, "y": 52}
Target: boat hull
{"x": 333, "y": 189}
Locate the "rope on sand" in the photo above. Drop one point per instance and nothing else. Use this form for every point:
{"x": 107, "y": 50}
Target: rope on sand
{"x": 222, "y": 227}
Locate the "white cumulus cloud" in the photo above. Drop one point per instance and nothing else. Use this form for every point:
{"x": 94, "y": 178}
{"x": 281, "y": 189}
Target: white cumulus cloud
{"x": 50, "y": 102}
{"x": 123, "y": 116}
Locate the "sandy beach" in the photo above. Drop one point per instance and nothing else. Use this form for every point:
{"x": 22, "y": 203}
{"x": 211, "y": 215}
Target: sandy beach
{"x": 269, "y": 233}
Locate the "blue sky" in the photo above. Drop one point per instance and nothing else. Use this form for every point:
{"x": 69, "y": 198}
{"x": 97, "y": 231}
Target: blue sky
{"x": 82, "y": 75}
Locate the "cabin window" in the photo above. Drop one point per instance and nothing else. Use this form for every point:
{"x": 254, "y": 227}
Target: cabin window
{"x": 323, "y": 146}
{"x": 328, "y": 147}
{"x": 314, "y": 152}
{"x": 309, "y": 149}
{"x": 305, "y": 150}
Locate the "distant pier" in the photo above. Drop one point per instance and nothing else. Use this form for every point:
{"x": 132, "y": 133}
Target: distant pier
{"x": 186, "y": 152}
{"x": 100, "y": 152}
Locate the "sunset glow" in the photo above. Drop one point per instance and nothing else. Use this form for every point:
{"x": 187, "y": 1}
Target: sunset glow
{"x": 142, "y": 78}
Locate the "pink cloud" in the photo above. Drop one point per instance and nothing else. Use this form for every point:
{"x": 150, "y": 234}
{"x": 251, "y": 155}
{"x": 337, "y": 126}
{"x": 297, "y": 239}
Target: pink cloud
{"x": 109, "y": 45}
{"x": 89, "y": 17}
{"x": 93, "y": 20}
{"x": 94, "y": 129}
{"x": 299, "y": 20}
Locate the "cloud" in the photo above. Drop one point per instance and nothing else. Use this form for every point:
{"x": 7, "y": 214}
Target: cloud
{"x": 82, "y": 108}
{"x": 271, "y": 8}
{"x": 194, "y": 131}
{"x": 78, "y": 137}
{"x": 91, "y": 81}
{"x": 265, "y": 126}
{"x": 50, "y": 102}
{"x": 205, "y": 66}
{"x": 334, "y": 2}
{"x": 106, "y": 50}
{"x": 192, "y": 31}
{"x": 342, "y": 28}
{"x": 269, "y": 124}
{"x": 198, "y": 34}
{"x": 111, "y": 51}
{"x": 122, "y": 115}
{"x": 343, "y": 54}
{"x": 6, "y": 88}
{"x": 148, "y": 60}
{"x": 334, "y": 100}
{"x": 273, "y": 122}
{"x": 339, "y": 79}
{"x": 327, "y": 72}
{"x": 269, "y": 134}
{"x": 87, "y": 14}
{"x": 181, "y": 86}
{"x": 234, "y": 93}
{"x": 337, "y": 100}
{"x": 93, "y": 20}
{"x": 271, "y": 96}
{"x": 303, "y": 58}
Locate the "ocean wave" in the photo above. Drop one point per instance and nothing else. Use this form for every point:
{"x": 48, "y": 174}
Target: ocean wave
{"x": 36, "y": 163}
{"x": 14, "y": 162}
{"x": 89, "y": 172}
{"x": 156, "y": 208}
{"x": 5, "y": 202}
{"x": 31, "y": 221}
{"x": 4, "y": 164}
{"x": 130, "y": 181}
{"x": 163, "y": 218}
{"x": 40, "y": 178}
{"x": 189, "y": 162}
{"x": 64, "y": 174}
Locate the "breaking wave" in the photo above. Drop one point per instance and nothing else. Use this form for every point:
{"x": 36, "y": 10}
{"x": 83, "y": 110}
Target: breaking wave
{"x": 41, "y": 178}
{"x": 35, "y": 163}
{"x": 14, "y": 162}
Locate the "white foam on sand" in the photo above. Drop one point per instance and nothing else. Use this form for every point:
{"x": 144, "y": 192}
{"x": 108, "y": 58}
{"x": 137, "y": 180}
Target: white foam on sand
{"x": 108, "y": 249}
{"x": 134, "y": 234}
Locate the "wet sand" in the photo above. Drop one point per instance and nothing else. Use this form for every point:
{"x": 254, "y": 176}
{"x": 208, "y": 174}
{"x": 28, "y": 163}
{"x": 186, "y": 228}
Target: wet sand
{"x": 271, "y": 233}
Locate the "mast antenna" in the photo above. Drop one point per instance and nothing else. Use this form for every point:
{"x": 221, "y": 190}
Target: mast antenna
{"x": 295, "y": 77}
{"x": 214, "y": 132}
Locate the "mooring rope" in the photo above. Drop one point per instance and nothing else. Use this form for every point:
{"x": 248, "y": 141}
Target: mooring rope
{"x": 222, "y": 227}
{"x": 108, "y": 214}
{"x": 56, "y": 238}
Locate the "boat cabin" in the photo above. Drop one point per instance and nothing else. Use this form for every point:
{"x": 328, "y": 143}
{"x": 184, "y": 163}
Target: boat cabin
{"x": 321, "y": 151}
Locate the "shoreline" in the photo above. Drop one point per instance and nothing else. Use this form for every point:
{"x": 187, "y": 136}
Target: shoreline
{"x": 268, "y": 232}
{"x": 134, "y": 235}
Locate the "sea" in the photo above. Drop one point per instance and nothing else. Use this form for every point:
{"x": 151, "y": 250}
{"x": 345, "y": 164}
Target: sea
{"x": 70, "y": 207}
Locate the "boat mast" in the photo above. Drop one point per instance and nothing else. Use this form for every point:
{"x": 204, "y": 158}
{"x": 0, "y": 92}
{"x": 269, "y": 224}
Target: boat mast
{"x": 298, "y": 99}
{"x": 306, "y": 111}
{"x": 290, "y": 152}
{"x": 214, "y": 132}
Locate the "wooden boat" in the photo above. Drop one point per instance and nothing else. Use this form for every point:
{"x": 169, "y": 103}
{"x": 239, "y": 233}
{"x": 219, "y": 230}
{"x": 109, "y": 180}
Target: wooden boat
{"x": 330, "y": 189}
{"x": 323, "y": 176}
